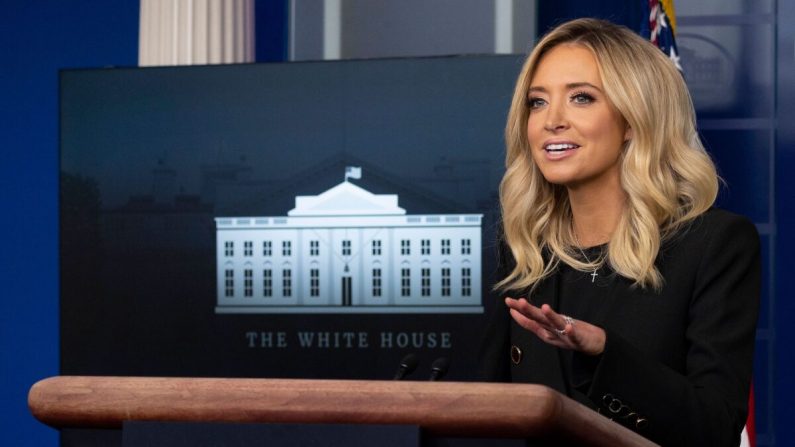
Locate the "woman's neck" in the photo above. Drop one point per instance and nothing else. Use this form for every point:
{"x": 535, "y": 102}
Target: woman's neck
{"x": 596, "y": 213}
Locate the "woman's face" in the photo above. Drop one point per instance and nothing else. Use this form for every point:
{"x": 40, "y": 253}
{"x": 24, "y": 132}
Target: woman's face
{"x": 576, "y": 135}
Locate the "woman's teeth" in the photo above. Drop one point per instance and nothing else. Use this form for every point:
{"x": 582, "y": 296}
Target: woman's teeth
{"x": 559, "y": 147}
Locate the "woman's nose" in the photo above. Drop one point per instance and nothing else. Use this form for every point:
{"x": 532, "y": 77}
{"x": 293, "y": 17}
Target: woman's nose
{"x": 556, "y": 118}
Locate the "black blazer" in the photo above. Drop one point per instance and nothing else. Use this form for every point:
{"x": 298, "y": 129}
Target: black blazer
{"x": 677, "y": 363}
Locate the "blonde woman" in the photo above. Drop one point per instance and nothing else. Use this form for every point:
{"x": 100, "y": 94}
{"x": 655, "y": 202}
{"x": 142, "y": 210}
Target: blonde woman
{"x": 623, "y": 287}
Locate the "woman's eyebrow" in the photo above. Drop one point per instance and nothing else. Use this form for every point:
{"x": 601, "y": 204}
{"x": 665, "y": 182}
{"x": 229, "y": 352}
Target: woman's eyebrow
{"x": 569, "y": 86}
{"x": 574, "y": 85}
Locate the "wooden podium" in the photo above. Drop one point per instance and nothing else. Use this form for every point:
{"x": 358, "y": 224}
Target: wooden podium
{"x": 459, "y": 409}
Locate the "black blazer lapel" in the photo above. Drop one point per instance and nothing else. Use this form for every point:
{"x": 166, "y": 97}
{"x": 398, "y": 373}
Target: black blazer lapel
{"x": 540, "y": 362}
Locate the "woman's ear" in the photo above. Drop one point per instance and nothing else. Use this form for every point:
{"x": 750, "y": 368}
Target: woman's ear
{"x": 628, "y": 133}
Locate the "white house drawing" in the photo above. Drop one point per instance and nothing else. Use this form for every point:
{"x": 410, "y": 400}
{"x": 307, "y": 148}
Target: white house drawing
{"x": 348, "y": 250}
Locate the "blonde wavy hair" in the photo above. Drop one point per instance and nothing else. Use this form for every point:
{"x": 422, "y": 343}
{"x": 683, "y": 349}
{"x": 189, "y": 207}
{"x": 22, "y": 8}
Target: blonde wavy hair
{"x": 667, "y": 176}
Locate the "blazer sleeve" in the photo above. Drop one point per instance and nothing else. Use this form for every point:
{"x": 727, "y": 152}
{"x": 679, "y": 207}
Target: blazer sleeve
{"x": 494, "y": 350}
{"x": 707, "y": 404}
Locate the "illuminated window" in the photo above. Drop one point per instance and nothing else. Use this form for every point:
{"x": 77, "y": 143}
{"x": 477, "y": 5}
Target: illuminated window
{"x": 376, "y": 282}
{"x": 445, "y": 281}
{"x": 248, "y": 282}
{"x": 229, "y": 282}
{"x": 287, "y": 282}
{"x": 405, "y": 282}
{"x": 466, "y": 246}
{"x": 426, "y": 282}
{"x": 466, "y": 281}
{"x": 314, "y": 282}
{"x": 426, "y": 246}
{"x": 267, "y": 282}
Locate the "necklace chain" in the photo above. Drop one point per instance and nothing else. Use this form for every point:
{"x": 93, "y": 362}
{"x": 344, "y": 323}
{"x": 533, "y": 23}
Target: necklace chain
{"x": 579, "y": 247}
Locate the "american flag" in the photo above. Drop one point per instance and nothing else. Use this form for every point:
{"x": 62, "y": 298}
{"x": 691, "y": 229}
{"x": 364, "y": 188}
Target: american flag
{"x": 659, "y": 26}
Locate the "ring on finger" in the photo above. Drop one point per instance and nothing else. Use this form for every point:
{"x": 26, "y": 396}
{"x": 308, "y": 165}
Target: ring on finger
{"x": 569, "y": 321}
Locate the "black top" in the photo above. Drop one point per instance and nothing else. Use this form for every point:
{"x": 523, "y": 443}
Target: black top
{"x": 581, "y": 295}
{"x": 677, "y": 363}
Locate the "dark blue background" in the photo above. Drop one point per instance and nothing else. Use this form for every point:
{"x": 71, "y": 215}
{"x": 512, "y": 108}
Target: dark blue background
{"x": 40, "y": 37}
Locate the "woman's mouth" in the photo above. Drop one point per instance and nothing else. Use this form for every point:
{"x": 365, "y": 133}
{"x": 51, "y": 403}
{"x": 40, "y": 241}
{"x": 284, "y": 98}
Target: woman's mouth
{"x": 557, "y": 151}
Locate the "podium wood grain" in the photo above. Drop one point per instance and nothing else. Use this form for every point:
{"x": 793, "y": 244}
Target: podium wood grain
{"x": 440, "y": 408}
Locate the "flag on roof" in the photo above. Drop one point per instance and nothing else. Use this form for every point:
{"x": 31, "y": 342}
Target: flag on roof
{"x": 354, "y": 172}
{"x": 659, "y": 26}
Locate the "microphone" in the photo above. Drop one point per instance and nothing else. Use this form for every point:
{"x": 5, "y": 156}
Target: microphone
{"x": 439, "y": 368}
{"x": 407, "y": 366}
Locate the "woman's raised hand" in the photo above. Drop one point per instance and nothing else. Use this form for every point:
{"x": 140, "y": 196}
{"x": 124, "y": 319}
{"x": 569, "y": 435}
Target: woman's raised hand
{"x": 557, "y": 329}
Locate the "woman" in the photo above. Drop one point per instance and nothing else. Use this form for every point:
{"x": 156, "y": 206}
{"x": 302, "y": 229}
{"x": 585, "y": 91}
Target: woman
{"x": 625, "y": 289}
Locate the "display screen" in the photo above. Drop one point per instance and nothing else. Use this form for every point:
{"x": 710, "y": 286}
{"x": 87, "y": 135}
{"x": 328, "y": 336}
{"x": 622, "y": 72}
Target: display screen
{"x": 314, "y": 220}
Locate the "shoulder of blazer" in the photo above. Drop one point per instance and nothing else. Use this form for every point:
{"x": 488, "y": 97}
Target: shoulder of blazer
{"x": 713, "y": 224}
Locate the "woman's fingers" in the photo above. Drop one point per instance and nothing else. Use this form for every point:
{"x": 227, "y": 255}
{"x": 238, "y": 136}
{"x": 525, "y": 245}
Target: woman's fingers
{"x": 527, "y": 309}
{"x": 533, "y": 326}
{"x": 544, "y": 316}
{"x": 557, "y": 320}
{"x": 534, "y": 319}
{"x": 522, "y": 320}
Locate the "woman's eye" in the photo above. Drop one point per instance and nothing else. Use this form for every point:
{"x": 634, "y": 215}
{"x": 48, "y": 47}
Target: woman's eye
{"x": 582, "y": 98}
{"x": 535, "y": 103}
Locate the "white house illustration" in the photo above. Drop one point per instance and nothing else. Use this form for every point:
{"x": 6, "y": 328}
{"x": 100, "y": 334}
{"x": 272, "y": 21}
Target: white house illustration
{"x": 348, "y": 250}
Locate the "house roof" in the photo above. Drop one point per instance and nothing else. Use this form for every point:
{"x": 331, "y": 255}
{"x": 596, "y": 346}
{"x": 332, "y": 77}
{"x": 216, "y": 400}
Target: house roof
{"x": 347, "y": 199}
